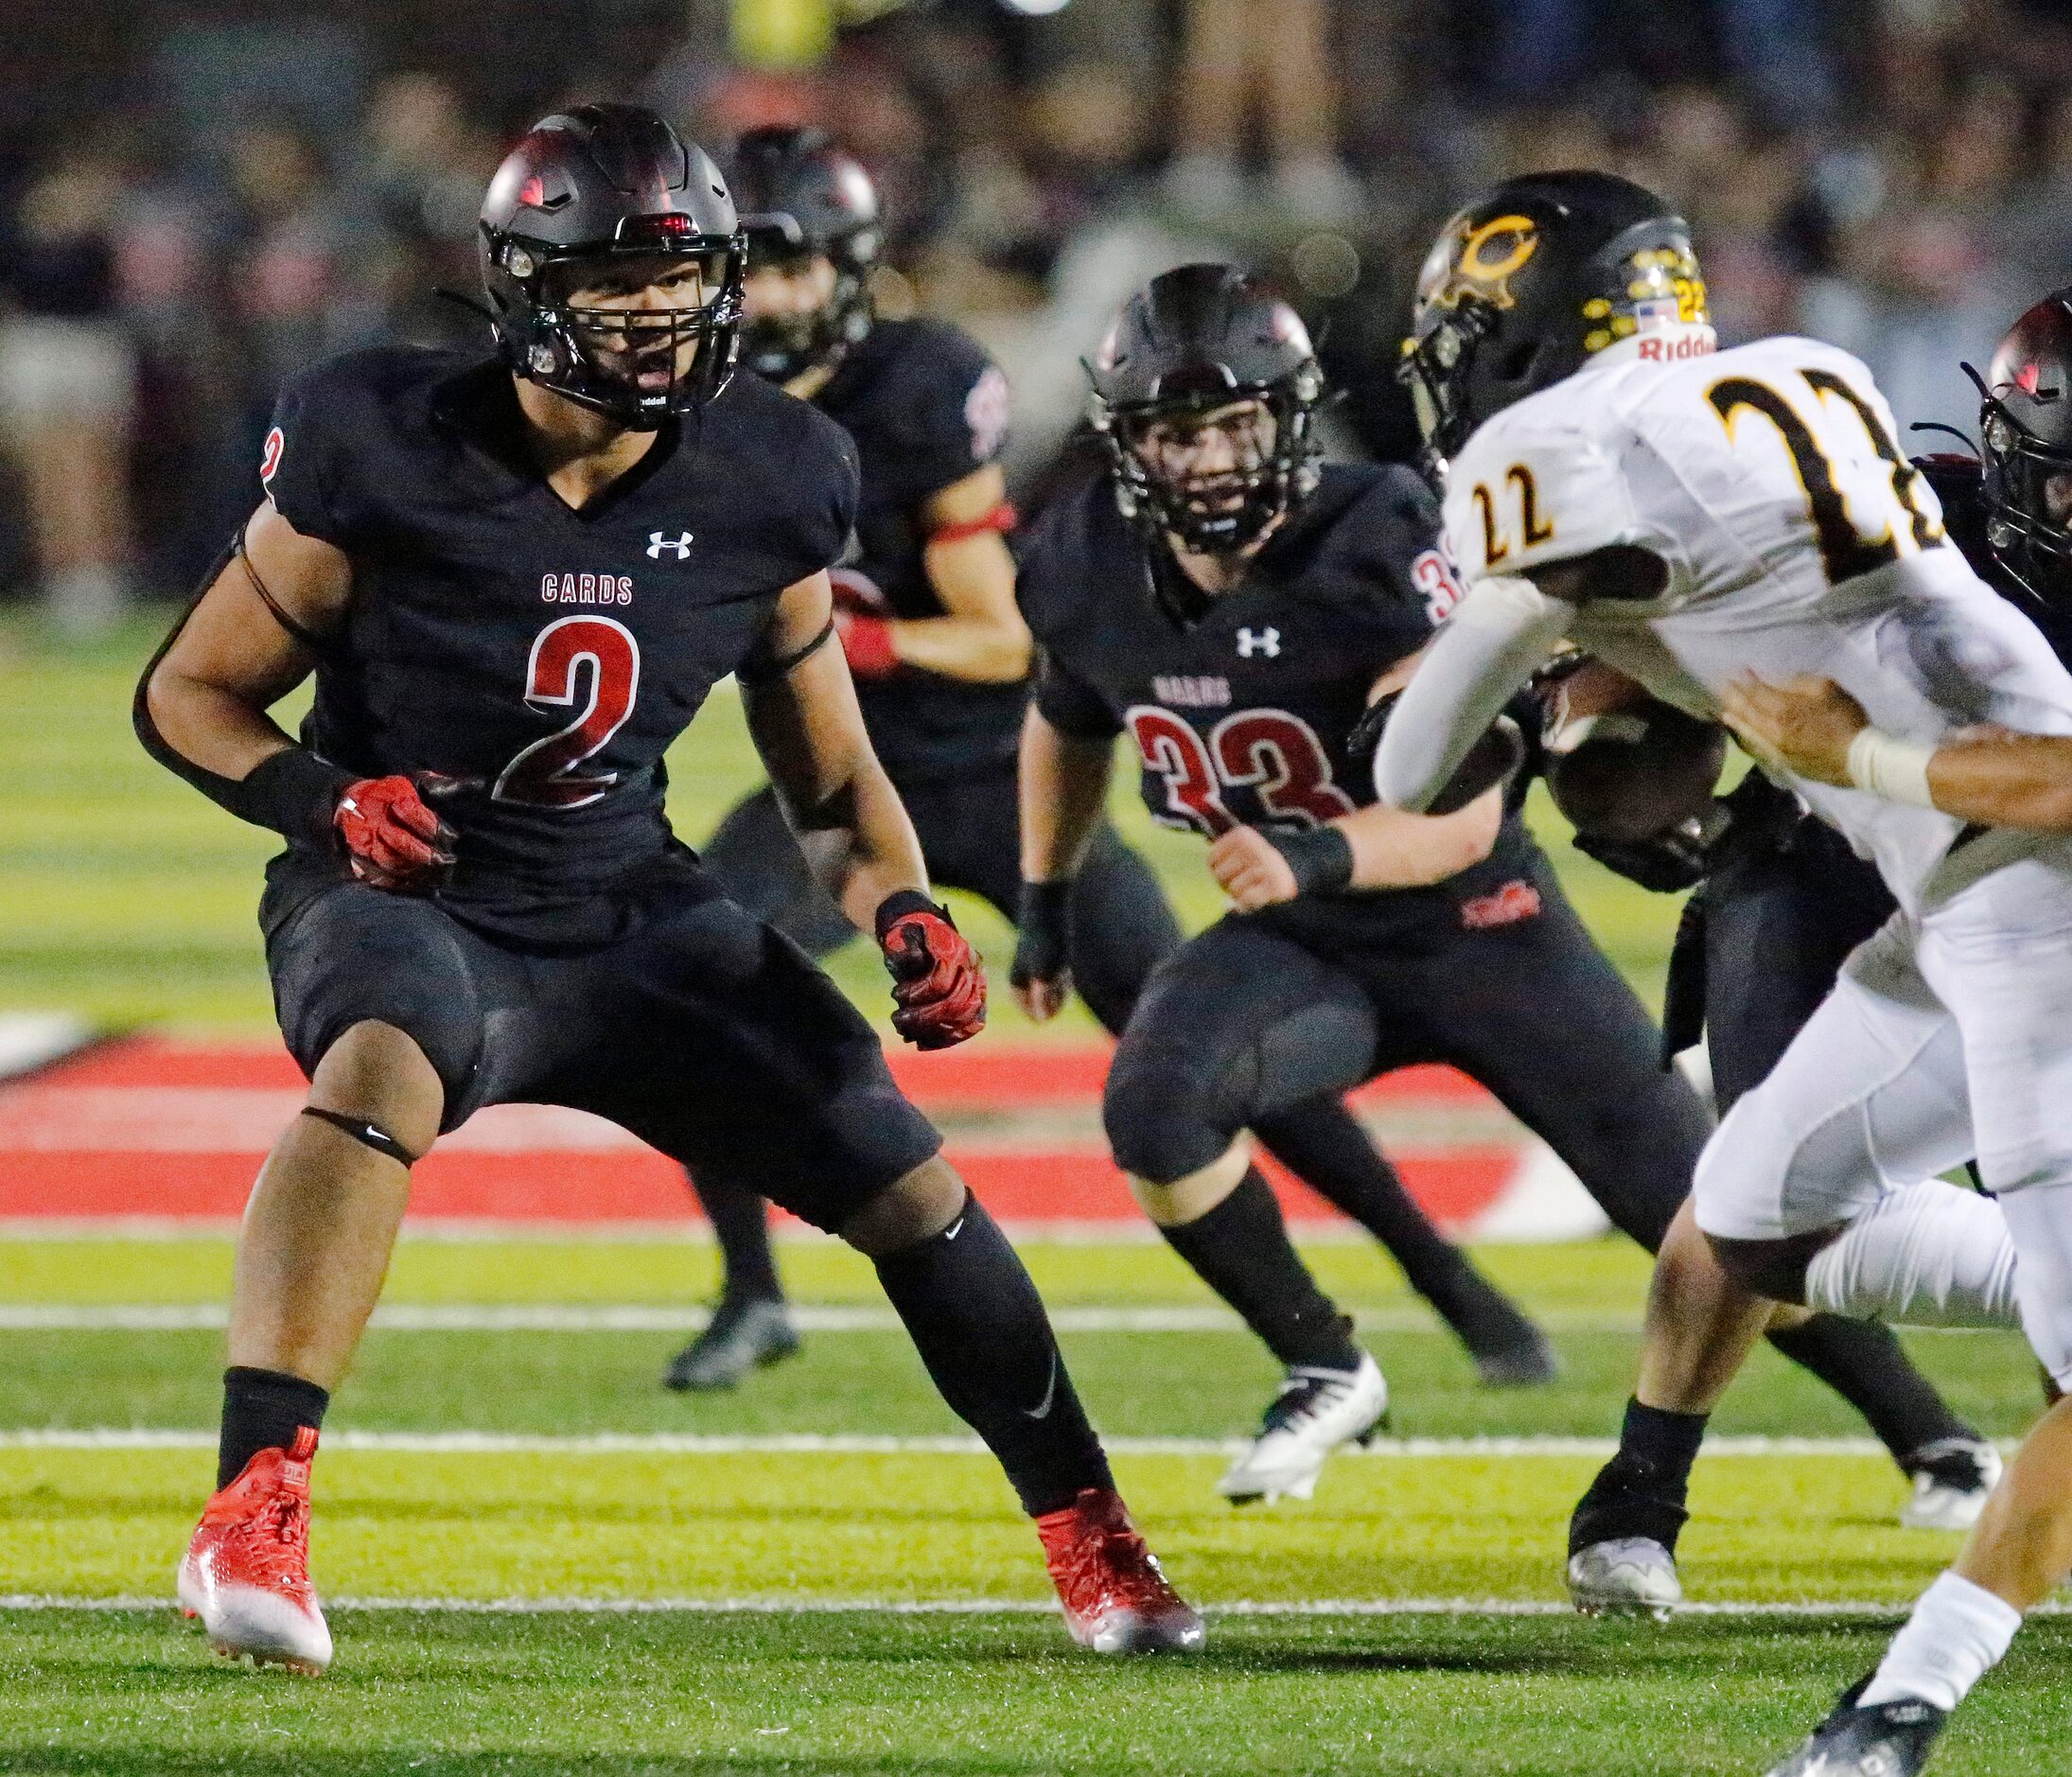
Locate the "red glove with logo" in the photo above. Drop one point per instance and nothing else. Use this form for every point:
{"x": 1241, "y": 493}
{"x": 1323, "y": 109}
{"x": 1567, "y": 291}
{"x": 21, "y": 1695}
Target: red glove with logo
{"x": 936, "y": 981}
{"x": 393, "y": 838}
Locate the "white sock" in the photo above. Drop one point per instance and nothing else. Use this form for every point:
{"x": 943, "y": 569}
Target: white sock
{"x": 1958, "y": 1633}
{"x": 1929, "y": 1254}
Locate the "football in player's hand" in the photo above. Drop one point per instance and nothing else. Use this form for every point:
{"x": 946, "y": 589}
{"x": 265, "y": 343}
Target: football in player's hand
{"x": 1621, "y": 765}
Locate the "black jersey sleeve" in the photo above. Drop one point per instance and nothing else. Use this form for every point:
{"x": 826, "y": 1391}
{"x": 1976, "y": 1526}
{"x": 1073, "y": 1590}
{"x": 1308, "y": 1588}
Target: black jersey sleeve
{"x": 946, "y": 403}
{"x": 308, "y": 465}
{"x": 1388, "y": 569}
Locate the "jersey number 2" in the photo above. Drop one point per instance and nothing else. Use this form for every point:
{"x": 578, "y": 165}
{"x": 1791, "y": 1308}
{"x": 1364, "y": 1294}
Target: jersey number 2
{"x": 591, "y": 662}
{"x": 1276, "y": 754}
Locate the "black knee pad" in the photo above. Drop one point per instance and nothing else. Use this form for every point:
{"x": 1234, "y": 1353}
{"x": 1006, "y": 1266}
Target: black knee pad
{"x": 1159, "y": 1121}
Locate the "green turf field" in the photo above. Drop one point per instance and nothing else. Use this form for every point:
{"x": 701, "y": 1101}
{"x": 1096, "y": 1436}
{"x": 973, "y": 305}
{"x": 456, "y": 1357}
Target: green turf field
{"x": 540, "y": 1561}
{"x": 504, "y": 1444}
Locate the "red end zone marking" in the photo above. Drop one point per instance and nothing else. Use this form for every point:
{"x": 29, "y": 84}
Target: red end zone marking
{"x": 154, "y": 1127}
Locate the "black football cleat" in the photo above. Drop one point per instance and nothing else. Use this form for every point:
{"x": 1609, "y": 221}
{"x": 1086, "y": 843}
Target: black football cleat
{"x": 1884, "y": 1740}
{"x": 745, "y": 1333}
{"x": 1509, "y": 1351}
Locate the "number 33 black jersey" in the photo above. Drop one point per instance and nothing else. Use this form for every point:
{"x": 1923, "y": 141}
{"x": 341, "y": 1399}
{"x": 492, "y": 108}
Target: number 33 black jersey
{"x": 547, "y": 655}
{"x": 1240, "y": 708}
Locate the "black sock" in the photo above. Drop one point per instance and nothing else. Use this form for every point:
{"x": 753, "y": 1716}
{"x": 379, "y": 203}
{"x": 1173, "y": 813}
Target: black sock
{"x": 1865, "y": 1363}
{"x": 1240, "y": 1249}
{"x": 263, "y": 1410}
{"x": 741, "y": 1224}
{"x": 1324, "y": 1145}
{"x": 981, "y": 1330}
{"x": 1641, "y": 1491}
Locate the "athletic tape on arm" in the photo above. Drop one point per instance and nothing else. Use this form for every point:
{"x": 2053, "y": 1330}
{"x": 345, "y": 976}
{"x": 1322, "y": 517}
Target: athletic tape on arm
{"x": 1498, "y": 634}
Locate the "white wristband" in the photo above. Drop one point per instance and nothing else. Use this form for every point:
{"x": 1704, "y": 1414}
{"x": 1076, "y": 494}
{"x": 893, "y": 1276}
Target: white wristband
{"x": 1889, "y": 766}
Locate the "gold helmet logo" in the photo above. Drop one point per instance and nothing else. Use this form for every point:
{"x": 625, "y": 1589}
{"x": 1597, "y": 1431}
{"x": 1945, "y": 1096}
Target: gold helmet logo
{"x": 1479, "y": 261}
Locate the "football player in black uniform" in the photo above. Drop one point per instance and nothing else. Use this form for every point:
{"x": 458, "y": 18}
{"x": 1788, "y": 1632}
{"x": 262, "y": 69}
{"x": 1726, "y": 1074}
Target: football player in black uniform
{"x": 926, "y": 611}
{"x": 1233, "y": 605}
{"x": 516, "y": 577}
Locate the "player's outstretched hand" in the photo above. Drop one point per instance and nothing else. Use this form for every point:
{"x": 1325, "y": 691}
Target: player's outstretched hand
{"x": 394, "y": 838}
{"x": 937, "y": 985}
{"x": 1042, "y": 974}
{"x": 1803, "y": 724}
{"x": 1251, "y": 870}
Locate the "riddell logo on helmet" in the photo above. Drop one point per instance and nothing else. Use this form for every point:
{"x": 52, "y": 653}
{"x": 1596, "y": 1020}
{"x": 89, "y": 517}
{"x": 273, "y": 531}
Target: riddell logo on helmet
{"x": 1669, "y": 348}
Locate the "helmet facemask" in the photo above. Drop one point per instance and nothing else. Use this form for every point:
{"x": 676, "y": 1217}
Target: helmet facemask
{"x": 641, "y": 329}
{"x": 2028, "y": 486}
{"x": 1216, "y": 469}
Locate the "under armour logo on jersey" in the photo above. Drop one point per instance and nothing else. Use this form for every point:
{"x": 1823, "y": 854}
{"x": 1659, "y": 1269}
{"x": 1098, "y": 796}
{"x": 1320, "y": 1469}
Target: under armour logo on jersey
{"x": 1265, "y": 642}
{"x": 657, "y": 542}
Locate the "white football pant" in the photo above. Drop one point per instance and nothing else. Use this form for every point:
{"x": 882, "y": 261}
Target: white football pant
{"x": 1948, "y": 1036}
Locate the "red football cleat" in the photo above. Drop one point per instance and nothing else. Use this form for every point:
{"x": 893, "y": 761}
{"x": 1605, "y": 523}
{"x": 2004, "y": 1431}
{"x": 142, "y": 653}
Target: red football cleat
{"x": 1116, "y": 1599}
{"x": 246, "y": 1573}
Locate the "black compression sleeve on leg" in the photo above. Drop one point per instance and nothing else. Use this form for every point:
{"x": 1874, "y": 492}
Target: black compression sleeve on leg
{"x": 263, "y": 1410}
{"x": 1324, "y": 1145}
{"x": 1865, "y": 1363}
{"x": 741, "y": 1224}
{"x": 981, "y": 1330}
{"x": 1240, "y": 1249}
{"x": 1641, "y": 1491}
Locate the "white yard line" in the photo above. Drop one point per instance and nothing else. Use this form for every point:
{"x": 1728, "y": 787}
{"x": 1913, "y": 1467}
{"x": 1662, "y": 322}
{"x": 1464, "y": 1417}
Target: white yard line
{"x": 1836, "y": 1609}
{"x": 575, "y": 1317}
{"x": 844, "y": 1444}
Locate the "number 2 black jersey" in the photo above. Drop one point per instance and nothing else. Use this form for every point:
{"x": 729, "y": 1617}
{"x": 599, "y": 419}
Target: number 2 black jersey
{"x": 547, "y": 655}
{"x": 926, "y": 407}
{"x": 1240, "y": 705}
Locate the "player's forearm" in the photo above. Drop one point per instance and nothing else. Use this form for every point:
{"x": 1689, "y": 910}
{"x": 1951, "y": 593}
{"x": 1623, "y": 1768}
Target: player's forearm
{"x": 2005, "y": 781}
{"x": 1395, "y": 850}
{"x": 979, "y": 650}
{"x": 881, "y": 854}
{"x": 1502, "y": 631}
{"x": 1063, "y": 793}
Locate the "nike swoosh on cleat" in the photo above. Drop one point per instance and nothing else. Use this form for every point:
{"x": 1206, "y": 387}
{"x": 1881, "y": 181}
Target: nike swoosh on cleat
{"x": 1042, "y": 1409}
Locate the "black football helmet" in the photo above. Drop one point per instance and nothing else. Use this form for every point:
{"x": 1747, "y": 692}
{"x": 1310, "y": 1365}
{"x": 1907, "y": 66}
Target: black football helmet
{"x": 1193, "y": 340}
{"x": 2026, "y": 448}
{"x": 599, "y": 184}
{"x": 801, "y": 198}
{"x": 1530, "y": 281}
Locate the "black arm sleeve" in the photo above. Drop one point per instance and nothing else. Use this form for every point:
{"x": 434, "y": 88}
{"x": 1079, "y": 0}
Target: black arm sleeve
{"x": 294, "y": 792}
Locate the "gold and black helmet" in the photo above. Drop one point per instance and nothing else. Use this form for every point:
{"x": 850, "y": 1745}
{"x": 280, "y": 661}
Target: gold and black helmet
{"x": 1529, "y": 282}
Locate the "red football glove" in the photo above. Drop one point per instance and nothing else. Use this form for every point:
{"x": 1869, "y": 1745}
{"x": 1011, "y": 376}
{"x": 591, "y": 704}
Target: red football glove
{"x": 936, "y": 981}
{"x": 392, "y": 840}
{"x": 867, "y": 641}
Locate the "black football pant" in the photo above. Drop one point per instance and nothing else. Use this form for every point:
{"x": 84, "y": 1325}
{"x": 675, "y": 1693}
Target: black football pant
{"x": 1249, "y": 1018}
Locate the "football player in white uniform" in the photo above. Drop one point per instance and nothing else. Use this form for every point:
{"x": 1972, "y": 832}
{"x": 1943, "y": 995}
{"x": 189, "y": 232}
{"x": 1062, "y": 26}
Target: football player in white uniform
{"x": 1696, "y": 518}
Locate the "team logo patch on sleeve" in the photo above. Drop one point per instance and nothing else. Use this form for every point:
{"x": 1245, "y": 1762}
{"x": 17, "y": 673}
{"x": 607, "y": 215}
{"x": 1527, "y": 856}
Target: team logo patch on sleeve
{"x": 270, "y": 459}
{"x": 985, "y": 414}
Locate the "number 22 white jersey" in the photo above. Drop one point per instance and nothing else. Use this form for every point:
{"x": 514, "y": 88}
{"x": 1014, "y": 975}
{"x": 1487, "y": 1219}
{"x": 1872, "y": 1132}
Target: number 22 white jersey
{"x": 1799, "y": 539}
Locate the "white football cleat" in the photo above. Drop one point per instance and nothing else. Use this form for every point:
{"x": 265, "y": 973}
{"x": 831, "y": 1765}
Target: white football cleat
{"x": 1316, "y": 1410}
{"x": 1625, "y": 1576}
{"x": 1952, "y": 1478}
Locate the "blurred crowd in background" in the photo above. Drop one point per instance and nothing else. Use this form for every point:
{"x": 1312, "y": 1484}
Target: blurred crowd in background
{"x": 196, "y": 199}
